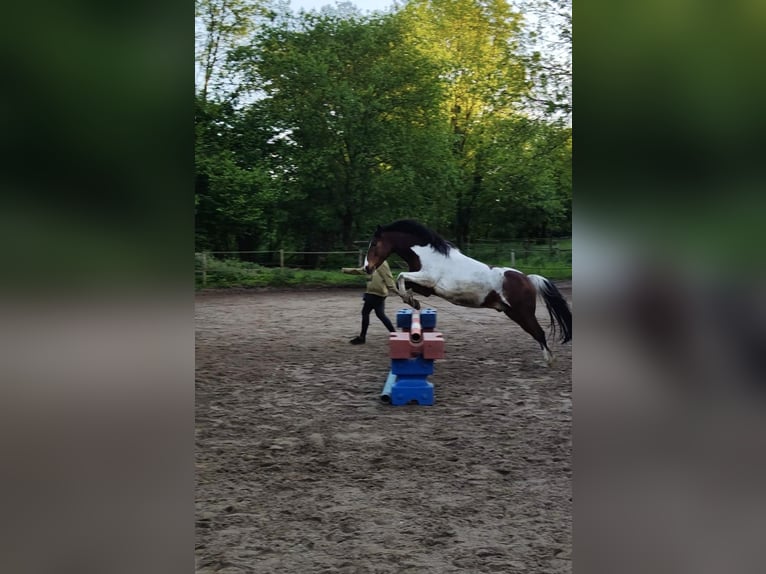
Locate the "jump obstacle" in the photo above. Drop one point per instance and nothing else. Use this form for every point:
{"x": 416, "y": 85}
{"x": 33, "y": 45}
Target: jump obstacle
{"x": 412, "y": 352}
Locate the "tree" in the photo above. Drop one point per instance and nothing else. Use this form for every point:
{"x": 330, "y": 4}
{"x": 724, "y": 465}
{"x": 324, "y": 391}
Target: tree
{"x": 234, "y": 192}
{"x": 475, "y": 44}
{"x": 546, "y": 45}
{"x": 338, "y": 121}
{"x": 220, "y": 26}
{"x": 528, "y": 188}
{"x": 359, "y": 123}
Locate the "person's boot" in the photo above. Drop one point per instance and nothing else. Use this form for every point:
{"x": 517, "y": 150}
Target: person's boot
{"x": 357, "y": 341}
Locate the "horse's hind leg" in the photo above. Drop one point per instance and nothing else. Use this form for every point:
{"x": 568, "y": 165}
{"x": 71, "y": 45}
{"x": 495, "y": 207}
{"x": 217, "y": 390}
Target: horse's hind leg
{"x": 524, "y": 315}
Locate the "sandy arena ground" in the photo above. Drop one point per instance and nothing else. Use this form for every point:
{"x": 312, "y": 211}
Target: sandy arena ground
{"x": 301, "y": 468}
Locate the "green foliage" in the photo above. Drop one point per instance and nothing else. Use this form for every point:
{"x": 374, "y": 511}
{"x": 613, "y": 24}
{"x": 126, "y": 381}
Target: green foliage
{"x": 357, "y": 121}
{"x": 336, "y": 122}
{"x": 221, "y": 25}
{"x": 234, "y": 193}
{"x": 552, "y": 260}
{"x": 509, "y": 170}
{"x": 235, "y": 273}
{"x": 528, "y": 190}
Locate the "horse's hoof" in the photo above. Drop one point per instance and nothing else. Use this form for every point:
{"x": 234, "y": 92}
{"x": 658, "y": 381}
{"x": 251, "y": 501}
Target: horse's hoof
{"x": 416, "y": 304}
{"x": 549, "y": 357}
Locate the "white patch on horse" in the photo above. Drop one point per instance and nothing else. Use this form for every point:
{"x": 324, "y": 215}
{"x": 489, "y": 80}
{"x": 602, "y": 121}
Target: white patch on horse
{"x": 457, "y": 277}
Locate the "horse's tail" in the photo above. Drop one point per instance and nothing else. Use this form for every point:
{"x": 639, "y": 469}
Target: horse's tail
{"x": 558, "y": 308}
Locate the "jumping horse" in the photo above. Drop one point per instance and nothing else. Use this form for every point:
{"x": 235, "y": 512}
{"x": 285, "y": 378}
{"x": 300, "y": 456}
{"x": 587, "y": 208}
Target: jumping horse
{"x": 437, "y": 267}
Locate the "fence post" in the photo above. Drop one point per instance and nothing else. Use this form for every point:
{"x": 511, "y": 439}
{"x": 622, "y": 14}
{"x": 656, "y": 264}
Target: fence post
{"x": 513, "y": 258}
{"x": 281, "y": 258}
{"x": 204, "y": 269}
{"x": 361, "y": 257}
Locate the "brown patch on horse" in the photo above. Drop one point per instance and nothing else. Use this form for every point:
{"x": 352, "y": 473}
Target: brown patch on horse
{"x": 494, "y": 301}
{"x": 522, "y": 296}
{"x": 518, "y": 289}
{"x": 412, "y": 260}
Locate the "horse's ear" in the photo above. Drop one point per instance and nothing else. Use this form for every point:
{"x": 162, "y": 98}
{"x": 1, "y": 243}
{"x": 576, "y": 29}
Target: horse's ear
{"x": 378, "y": 230}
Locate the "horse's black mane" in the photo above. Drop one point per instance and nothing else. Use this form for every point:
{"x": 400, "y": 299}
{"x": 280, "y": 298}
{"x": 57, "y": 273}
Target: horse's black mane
{"x": 425, "y": 235}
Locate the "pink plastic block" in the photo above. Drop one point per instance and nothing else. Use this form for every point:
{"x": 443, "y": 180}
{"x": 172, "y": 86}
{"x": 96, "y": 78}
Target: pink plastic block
{"x": 433, "y": 345}
{"x": 400, "y": 347}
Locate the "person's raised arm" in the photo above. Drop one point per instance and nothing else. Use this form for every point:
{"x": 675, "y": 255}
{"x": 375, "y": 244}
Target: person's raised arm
{"x": 353, "y": 270}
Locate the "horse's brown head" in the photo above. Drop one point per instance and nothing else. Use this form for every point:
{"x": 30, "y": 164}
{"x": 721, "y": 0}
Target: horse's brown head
{"x": 380, "y": 248}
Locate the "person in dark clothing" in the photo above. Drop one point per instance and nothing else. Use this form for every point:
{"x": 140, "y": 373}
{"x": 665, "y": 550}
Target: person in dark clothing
{"x": 378, "y": 285}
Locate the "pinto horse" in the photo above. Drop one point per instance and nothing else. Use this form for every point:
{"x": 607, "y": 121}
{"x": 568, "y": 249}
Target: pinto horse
{"x": 437, "y": 267}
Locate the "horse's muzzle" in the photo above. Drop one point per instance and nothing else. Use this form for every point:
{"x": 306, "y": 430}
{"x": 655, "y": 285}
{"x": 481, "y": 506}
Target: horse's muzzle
{"x": 368, "y": 269}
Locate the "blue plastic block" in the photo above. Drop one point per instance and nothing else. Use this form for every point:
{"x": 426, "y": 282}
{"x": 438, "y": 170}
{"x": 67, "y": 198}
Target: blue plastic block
{"x": 428, "y": 319}
{"x": 418, "y": 367}
{"x": 404, "y": 319}
{"x": 406, "y": 391}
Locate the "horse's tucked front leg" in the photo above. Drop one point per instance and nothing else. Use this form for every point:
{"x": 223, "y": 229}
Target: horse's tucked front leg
{"x": 406, "y": 294}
